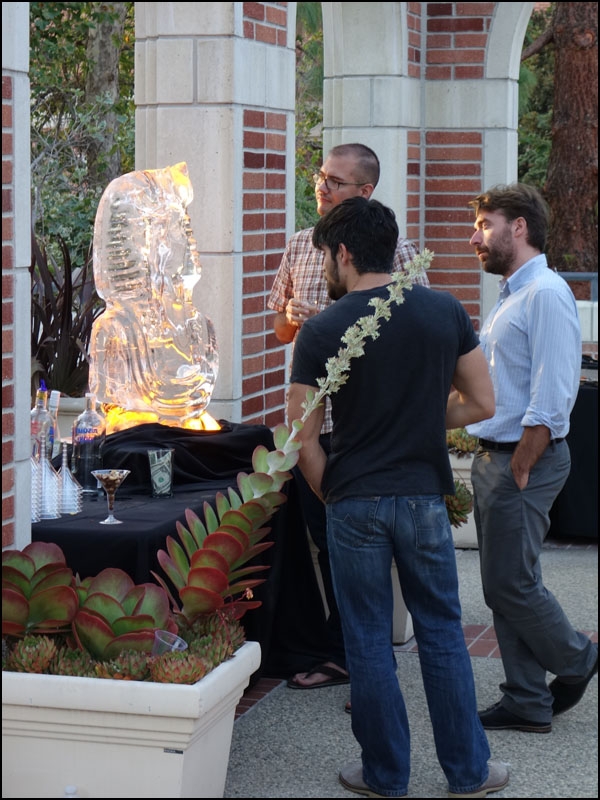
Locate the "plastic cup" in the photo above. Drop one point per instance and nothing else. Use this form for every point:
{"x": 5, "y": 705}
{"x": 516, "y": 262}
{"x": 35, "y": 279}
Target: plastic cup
{"x": 167, "y": 642}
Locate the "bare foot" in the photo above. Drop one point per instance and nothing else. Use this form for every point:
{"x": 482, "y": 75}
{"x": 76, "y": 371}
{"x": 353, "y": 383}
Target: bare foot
{"x": 326, "y": 674}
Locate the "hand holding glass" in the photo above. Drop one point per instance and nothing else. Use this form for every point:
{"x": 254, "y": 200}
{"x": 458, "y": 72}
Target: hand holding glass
{"x": 110, "y": 479}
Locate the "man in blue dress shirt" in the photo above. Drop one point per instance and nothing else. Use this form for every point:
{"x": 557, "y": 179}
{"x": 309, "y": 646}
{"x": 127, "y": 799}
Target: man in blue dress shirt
{"x": 532, "y": 342}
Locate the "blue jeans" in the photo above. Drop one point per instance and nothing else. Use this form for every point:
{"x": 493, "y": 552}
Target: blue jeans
{"x": 364, "y": 535}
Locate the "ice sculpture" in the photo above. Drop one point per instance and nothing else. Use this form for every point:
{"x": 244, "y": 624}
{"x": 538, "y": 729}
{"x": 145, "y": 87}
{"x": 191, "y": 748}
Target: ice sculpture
{"x": 153, "y": 355}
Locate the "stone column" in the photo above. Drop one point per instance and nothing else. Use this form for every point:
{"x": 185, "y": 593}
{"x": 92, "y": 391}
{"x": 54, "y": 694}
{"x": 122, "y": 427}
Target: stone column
{"x": 215, "y": 87}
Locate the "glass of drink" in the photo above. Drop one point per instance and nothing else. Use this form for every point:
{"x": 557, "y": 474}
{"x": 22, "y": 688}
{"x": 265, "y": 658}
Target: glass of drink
{"x": 110, "y": 480}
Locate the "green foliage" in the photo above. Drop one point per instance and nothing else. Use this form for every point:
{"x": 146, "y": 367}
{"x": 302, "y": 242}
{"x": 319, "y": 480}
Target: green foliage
{"x": 536, "y": 95}
{"x": 536, "y": 89}
{"x": 309, "y": 110}
{"x": 67, "y": 127}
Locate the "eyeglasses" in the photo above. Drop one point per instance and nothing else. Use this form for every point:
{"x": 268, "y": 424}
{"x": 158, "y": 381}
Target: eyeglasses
{"x": 333, "y": 183}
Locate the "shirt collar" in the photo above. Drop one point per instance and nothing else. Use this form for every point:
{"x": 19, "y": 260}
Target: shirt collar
{"x": 523, "y": 275}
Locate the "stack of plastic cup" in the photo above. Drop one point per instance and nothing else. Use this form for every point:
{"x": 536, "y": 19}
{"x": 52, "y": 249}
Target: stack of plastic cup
{"x": 71, "y": 494}
{"x": 35, "y": 489}
{"x": 49, "y": 486}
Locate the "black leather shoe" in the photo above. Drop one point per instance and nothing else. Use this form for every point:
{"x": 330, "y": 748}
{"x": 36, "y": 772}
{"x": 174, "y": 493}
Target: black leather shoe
{"x": 497, "y": 718}
{"x": 567, "y": 695}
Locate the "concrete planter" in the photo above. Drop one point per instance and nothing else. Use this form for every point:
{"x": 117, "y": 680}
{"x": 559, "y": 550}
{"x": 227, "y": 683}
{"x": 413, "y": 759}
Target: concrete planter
{"x": 111, "y": 738}
{"x": 465, "y": 537}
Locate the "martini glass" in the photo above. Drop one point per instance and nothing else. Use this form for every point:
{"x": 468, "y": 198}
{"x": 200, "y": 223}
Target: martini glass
{"x": 110, "y": 479}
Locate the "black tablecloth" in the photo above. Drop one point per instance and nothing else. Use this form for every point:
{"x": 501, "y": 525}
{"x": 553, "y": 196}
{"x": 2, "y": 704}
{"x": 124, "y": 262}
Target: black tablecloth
{"x": 575, "y": 510}
{"x": 290, "y": 623}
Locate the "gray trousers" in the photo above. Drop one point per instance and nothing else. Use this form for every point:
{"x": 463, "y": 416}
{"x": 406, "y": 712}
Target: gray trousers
{"x": 533, "y": 632}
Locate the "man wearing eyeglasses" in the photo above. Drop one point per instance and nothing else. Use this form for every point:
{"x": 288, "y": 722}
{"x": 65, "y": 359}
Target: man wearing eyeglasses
{"x": 299, "y": 292}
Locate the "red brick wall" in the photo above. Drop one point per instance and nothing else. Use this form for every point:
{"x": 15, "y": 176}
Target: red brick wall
{"x": 452, "y": 47}
{"x": 456, "y": 40}
{"x": 415, "y": 42}
{"x": 264, "y": 238}
{"x": 8, "y": 283}
{"x": 264, "y": 234}
{"x": 452, "y": 178}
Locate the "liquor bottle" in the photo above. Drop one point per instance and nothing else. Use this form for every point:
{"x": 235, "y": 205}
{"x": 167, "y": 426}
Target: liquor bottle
{"x": 42, "y": 426}
{"x": 53, "y": 403}
{"x": 89, "y": 433}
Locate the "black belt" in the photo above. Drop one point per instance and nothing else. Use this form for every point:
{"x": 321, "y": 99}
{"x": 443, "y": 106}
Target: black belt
{"x": 507, "y": 447}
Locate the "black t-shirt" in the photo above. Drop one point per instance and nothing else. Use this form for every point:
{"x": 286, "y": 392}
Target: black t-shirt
{"x": 389, "y": 433}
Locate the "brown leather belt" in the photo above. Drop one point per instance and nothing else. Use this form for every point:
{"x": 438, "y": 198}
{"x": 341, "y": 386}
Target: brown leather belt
{"x": 507, "y": 447}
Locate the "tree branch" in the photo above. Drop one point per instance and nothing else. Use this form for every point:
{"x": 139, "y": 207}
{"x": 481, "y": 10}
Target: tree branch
{"x": 542, "y": 40}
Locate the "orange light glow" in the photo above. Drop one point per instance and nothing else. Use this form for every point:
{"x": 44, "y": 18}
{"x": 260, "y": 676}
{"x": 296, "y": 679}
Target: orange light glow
{"x": 118, "y": 419}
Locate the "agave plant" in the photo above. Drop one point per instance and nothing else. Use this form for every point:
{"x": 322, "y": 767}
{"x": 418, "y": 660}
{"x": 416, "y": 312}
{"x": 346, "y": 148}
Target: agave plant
{"x": 207, "y": 565}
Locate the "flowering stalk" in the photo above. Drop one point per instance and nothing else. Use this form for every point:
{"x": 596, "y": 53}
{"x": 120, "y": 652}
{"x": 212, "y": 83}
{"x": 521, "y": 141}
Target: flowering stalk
{"x": 239, "y": 519}
{"x": 355, "y": 337}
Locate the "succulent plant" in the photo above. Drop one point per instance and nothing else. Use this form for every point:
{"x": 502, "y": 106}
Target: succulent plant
{"x": 38, "y": 591}
{"x": 461, "y": 442}
{"x": 108, "y": 623}
{"x": 101, "y": 616}
{"x": 129, "y": 665}
{"x": 460, "y": 504}
{"x": 115, "y": 614}
{"x": 221, "y": 624}
{"x": 178, "y": 668}
{"x": 70, "y": 661}
{"x": 32, "y": 654}
{"x": 207, "y": 568}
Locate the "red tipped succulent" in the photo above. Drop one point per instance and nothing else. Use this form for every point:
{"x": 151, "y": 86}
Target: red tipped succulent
{"x": 38, "y": 591}
{"x": 115, "y": 614}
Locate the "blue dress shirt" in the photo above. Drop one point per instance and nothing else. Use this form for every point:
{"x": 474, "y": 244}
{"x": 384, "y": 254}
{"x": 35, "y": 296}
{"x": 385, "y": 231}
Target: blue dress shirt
{"x": 532, "y": 342}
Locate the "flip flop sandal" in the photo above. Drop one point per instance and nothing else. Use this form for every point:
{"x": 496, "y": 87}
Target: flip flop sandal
{"x": 336, "y": 678}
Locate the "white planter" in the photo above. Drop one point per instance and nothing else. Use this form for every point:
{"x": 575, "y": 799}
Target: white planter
{"x": 465, "y": 537}
{"x": 112, "y": 738}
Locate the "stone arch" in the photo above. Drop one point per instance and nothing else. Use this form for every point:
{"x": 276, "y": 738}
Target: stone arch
{"x": 228, "y": 68}
{"x": 380, "y": 88}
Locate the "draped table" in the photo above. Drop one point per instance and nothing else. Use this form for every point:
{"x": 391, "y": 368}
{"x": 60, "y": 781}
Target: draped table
{"x": 290, "y": 623}
{"x": 575, "y": 511}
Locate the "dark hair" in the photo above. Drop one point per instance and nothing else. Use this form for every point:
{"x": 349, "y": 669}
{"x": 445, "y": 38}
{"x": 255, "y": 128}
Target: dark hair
{"x": 367, "y": 163}
{"x": 518, "y": 200}
{"x": 367, "y": 228}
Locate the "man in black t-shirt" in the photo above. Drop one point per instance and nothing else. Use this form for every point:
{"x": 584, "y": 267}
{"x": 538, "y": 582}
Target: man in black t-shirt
{"x": 383, "y": 485}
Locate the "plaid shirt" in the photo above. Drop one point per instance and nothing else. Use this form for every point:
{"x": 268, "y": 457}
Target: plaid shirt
{"x": 300, "y": 275}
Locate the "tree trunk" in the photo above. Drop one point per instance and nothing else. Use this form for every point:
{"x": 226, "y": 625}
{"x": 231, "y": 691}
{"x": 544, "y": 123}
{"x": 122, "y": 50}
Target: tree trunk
{"x": 103, "y": 51}
{"x": 572, "y": 183}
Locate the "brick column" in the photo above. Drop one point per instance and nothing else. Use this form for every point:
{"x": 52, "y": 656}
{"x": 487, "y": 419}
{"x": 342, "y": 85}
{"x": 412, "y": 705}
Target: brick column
{"x": 16, "y": 282}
